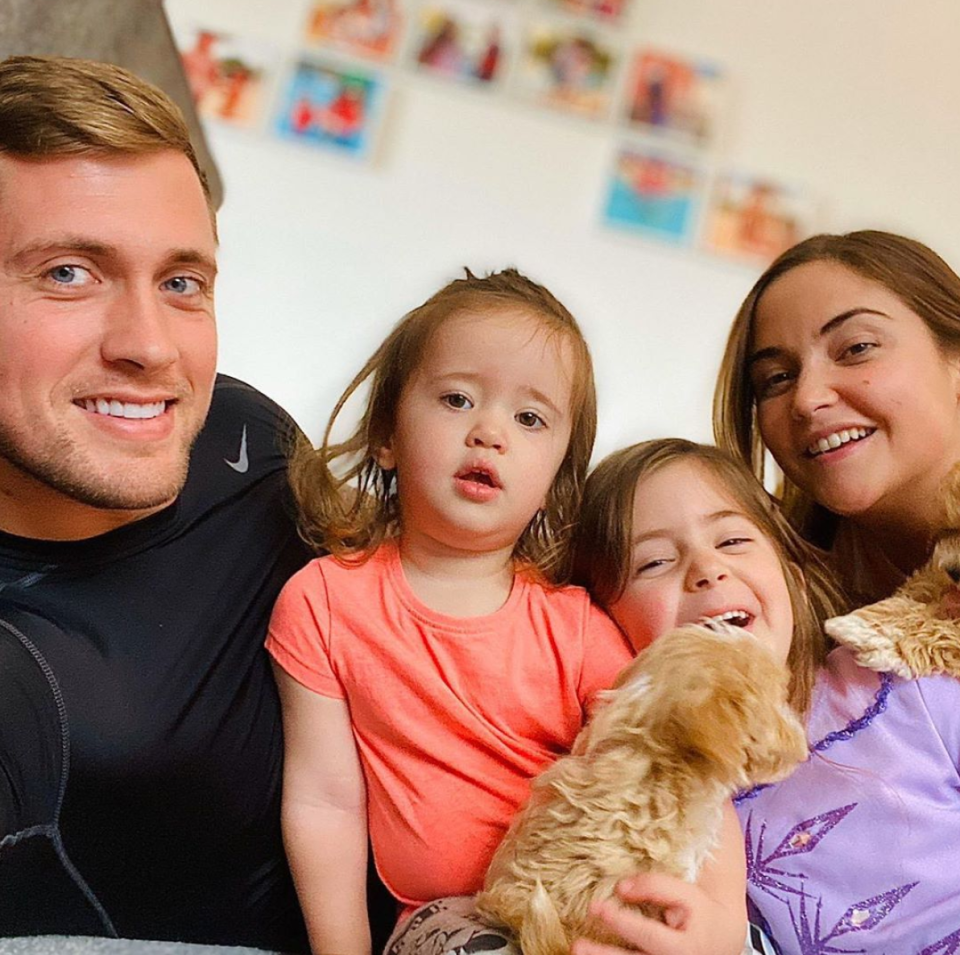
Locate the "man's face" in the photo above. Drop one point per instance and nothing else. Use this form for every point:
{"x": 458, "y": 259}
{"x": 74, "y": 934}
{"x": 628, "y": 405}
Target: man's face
{"x": 107, "y": 337}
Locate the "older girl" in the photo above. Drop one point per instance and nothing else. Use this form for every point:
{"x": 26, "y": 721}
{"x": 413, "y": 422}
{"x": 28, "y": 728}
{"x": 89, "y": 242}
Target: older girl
{"x": 855, "y": 852}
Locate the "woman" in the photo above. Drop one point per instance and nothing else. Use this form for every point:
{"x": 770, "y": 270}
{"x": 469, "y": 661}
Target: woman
{"x": 844, "y": 363}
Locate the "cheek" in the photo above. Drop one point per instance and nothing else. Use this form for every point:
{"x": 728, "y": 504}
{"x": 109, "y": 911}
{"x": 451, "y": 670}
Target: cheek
{"x": 643, "y": 617}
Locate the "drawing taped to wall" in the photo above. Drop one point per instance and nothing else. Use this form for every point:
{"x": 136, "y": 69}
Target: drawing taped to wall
{"x": 754, "y": 218}
{"x": 228, "y": 76}
{"x": 332, "y": 106}
{"x": 366, "y": 28}
{"x": 674, "y": 96}
{"x": 654, "y": 194}
{"x": 568, "y": 66}
{"x": 463, "y": 40}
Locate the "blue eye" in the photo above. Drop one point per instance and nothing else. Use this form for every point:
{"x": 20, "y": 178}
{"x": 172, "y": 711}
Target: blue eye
{"x": 69, "y": 275}
{"x": 183, "y": 285}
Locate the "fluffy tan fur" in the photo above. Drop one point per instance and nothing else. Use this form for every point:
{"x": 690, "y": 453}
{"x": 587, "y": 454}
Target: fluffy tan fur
{"x": 697, "y": 716}
{"x": 916, "y": 632}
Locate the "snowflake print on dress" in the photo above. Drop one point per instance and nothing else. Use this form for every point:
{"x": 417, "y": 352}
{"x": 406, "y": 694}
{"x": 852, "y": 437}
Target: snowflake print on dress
{"x": 802, "y": 838}
{"x": 860, "y": 917}
{"x": 946, "y": 946}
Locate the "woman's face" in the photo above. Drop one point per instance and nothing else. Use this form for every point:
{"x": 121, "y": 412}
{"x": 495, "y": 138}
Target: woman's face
{"x": 855, "y": 400}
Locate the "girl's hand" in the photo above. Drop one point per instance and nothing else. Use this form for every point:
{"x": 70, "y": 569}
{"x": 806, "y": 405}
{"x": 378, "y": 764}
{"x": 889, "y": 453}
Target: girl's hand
{"x": 696, "y": 923}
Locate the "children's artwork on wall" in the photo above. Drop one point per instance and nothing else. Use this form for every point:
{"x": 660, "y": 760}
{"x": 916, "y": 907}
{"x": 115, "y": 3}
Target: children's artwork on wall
{"x": 568, "y": 66}
{"x": 228, "y": 75}
{"x": 654, "y": 194}
{"x": 671, "y": 95}
{"x": 333, "y": 106}
{"x": 368, "y": 28}
{"x": 610, "y": 11}
{"x": 754, "y": 218}
{"x": 462, "y": 40}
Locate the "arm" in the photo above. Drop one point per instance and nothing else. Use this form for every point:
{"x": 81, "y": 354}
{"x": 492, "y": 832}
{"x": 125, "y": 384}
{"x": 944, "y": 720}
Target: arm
{"x": 706, "y": 918}
{"x": 324, "y": 819}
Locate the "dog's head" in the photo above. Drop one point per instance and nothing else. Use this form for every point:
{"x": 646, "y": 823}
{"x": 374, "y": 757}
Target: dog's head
{"x": 712, "y": 700}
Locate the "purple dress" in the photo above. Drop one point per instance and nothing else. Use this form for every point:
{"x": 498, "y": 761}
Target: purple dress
{"x": 859, "y": 850}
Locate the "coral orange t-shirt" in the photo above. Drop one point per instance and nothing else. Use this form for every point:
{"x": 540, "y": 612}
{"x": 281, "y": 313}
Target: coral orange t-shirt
{"x": 452, "y": 716}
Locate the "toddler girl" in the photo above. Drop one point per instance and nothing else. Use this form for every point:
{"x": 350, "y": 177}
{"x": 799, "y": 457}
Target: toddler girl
{"x": 855, "y": 852}
{"x": 427, "y": 668}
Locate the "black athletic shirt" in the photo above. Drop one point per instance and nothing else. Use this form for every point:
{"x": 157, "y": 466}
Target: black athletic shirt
{"x": 140, "y": 736}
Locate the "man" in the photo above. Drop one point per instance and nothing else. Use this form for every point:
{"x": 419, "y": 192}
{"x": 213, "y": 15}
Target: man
{"x": 140, "y": 547}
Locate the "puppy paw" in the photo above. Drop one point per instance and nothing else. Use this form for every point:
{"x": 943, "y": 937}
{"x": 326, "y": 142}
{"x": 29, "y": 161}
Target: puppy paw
{"x": 872, "y": 647}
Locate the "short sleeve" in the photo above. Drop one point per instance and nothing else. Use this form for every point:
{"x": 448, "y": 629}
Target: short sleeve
{"x": 605, "y": 653}
{"x": 299, "y": 632}
{"x": 941, "y": 697}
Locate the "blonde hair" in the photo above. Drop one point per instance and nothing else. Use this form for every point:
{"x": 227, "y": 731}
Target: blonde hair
{"x": 347, "y": 501}
{"x": 905, "y": 267}
{"x": 603, "y": 543}
{"x": 54, "y": 106}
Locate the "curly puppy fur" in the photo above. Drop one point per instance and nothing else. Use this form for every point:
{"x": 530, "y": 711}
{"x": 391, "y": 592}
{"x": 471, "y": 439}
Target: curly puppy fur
{"x": 916, "y": 632}
{"x": 697, "y": 716}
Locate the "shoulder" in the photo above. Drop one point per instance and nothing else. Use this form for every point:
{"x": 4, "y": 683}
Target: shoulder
{"x": 237, "y": 409}
{"x": 245, "y": 439}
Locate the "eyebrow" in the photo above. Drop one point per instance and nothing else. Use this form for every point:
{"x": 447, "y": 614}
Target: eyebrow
{"x": 711, "y": 518}
{"x": 775, "y": 351}
{"x": 85, "y": 246}
{"x": 533, "y": 393}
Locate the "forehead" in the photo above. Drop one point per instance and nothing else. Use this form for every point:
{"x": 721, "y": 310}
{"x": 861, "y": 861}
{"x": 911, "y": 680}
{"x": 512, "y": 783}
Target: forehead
{"x": 510, "y": 339}
{"x": 799, "y": 303}
{"x": 677, "y": 493}
{"x": 147, "y": 202}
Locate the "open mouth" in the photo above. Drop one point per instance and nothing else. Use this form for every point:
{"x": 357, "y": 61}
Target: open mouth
{"x": 837, "y": 440}
{"x": 124, "y": 409}
{"x": 480, "y": 476}
{"x": 733, "y": 618}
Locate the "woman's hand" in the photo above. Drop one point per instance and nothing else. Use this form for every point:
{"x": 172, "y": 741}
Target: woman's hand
{"x": 695, "y": 922}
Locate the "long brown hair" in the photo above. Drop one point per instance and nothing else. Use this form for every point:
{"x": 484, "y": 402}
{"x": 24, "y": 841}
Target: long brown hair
{"x": 348, "y": 502}
{"x": 905, "y": 267}
{"x": 603, "y": 548}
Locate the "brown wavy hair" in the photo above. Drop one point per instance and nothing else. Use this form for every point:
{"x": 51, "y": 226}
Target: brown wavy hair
{"x": 347, "y": 501}
{"x": 905, "y": 267}
{"x": 603, "y": 543}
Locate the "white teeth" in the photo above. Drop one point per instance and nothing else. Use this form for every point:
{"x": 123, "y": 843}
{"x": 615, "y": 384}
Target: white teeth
{"x": 730, "y": 615}
{"x": 124, "y": 409}
{"x": 837, "y": 439}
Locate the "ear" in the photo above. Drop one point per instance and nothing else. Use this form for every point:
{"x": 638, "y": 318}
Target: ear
{"x": 385, "y": 457}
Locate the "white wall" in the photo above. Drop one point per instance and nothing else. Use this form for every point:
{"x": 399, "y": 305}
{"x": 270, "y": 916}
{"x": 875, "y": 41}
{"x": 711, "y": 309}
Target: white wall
{"x": 855, "y": 100}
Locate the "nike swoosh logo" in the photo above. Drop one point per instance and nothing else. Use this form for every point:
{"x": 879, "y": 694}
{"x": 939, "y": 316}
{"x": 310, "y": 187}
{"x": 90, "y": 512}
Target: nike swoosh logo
{"x": 242, "y": 464}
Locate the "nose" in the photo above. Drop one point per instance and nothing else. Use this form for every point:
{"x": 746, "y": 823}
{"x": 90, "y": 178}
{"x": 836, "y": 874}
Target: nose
{"x": 705, "y": 570}
{"x": 139, "y": 330}
{"x": 487, "y": 432}
{"x": 812, "y": 391}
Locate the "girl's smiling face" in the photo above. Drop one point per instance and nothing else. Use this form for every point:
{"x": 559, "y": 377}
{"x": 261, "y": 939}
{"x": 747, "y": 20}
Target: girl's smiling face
{"x": 696, "y": 554}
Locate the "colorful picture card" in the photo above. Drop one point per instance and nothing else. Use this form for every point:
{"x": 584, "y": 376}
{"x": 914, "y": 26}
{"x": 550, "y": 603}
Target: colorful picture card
{"x": 671, "y": 95}
{"x": 569, "y": 67}
{"x": 754, "y": 218}
{"x": 654, "y": 194}
{"x": 228, "y": 76}
{"x": 462, "y": 40}
{"x": 366, "y": 28}
{"x": 332, "y": 106}
{"x": 610, "y": 11}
